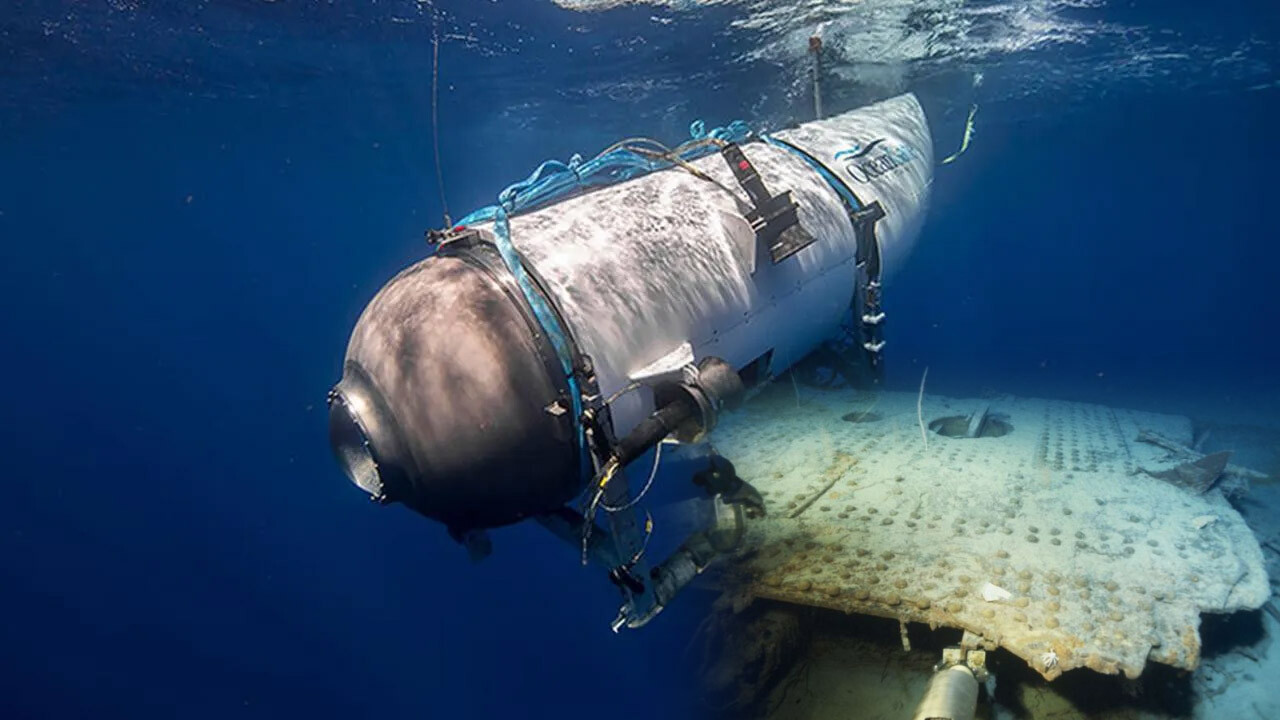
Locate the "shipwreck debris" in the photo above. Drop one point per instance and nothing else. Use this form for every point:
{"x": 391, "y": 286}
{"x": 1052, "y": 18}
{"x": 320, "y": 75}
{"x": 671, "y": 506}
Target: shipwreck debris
{"x": 1104, "y": 565}
{"x": 1196, "y": 476}
{"x": 1196, "y": 468}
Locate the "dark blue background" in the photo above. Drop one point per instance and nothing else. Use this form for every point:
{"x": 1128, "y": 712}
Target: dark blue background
{"x": 1123, "y": 251}
{"x": 192, "y": 220}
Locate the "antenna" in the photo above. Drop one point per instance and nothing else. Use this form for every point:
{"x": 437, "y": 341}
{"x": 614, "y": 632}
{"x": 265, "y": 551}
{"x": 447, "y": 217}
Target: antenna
{"x": 435, "y": 112}
{"x": 815, "y": 49}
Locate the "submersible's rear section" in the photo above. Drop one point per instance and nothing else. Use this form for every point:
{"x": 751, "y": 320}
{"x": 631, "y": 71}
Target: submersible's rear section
{"x": 469, "y": 379}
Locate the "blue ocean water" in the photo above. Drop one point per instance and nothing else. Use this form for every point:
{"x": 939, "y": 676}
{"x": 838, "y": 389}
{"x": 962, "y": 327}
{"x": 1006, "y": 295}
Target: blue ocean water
{"x": 196, "y": 202}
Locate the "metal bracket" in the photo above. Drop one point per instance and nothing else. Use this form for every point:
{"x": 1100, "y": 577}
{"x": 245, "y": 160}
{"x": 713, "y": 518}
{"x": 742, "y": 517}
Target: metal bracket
{"x": 772, "y": 217}
{"x": 974, "y": 658}
{"x": 867, "y": 309}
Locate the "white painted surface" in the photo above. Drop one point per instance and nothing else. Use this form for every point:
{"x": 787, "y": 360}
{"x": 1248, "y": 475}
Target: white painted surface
{"x": 642, "y": 267}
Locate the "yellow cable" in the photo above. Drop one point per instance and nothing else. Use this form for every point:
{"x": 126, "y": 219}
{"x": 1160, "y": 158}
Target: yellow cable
{"x": 609, "y": 472}
{"x": 968, "y": 135}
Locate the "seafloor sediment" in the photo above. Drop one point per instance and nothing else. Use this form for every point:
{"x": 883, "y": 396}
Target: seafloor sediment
{"x": 1050, "y": 537}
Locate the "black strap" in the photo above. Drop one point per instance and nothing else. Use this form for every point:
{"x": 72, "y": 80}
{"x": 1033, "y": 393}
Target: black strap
{"x": 866, "y": 308}
{"x": 773, "y": 217}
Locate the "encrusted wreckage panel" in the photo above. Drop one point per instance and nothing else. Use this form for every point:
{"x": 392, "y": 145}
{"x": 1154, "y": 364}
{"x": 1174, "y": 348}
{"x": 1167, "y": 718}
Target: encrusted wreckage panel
{"x": 1051, "y": 540}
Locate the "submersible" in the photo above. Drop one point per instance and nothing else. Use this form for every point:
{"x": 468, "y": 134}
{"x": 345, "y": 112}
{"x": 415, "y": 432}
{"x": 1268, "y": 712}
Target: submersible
{"x": 549, "y": 341}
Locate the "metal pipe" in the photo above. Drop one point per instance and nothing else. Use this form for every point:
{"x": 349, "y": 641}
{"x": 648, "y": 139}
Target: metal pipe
{"x": 815, "y": 49}
{"x": 952, "y": 695}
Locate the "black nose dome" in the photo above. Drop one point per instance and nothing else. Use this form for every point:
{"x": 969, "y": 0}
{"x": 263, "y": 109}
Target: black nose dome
{"x": 445, "y": 397}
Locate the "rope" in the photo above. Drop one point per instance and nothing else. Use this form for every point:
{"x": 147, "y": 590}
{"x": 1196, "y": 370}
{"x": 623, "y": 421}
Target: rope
{"x": 554, "y": 180}
{"x": 653, "y": 472}
{"x": 648, "y": 533}
{"x": 590, "y": 512}
{"x": 435, "y": 113}
{"x": 968, "y": 135}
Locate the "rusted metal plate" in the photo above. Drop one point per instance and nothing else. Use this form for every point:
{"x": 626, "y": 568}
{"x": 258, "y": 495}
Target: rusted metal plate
{"x": 1105, "y": 566}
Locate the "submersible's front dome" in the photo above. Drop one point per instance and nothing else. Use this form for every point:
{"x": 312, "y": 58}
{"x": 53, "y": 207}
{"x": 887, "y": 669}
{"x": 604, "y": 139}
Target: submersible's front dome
{"x": 445, "y": 390}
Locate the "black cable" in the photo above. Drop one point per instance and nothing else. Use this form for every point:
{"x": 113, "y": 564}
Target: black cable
{"x": 435, "y": 112}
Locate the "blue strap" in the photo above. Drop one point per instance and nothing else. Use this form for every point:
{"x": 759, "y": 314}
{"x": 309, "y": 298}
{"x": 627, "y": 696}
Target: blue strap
{"x": 836, "y": 183}
{"x": 541, "y": 310}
